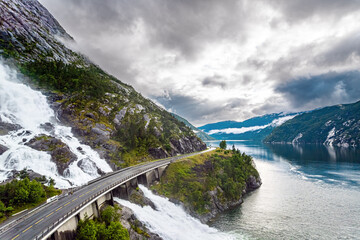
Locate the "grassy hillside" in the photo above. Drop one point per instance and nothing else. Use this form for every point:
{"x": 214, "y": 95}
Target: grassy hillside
{"x": 317, "y": 126}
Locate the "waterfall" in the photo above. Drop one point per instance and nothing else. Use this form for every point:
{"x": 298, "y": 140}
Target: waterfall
{"x": 28, "y": 109}
{"x": 170, "y": 221}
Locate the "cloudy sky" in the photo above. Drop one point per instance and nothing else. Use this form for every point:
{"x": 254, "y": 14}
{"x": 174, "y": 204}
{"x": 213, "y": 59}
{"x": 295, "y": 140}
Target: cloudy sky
{"x": 210, "y": 60}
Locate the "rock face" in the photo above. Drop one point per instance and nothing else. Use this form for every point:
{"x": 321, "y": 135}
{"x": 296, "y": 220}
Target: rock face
{"x": 3, "y": 149}
{"x": 137, "y": 230}
{"x": 210, "y": 183}
{"x": 19, "y": 31}
{"x": 5, "y": 128}
{"x": 121, "y": 125}
{"x": 333, "y": 126}
{"x": 59, "y": 151}
{"x": 218, "y": 205}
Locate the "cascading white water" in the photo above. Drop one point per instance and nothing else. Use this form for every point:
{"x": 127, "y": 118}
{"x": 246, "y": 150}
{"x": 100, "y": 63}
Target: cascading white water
{"x": 170, "y": 221}
{"x": 27, "y": 108}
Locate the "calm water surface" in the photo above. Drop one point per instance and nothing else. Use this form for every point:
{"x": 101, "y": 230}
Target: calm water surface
{"x": 308, "y": 192}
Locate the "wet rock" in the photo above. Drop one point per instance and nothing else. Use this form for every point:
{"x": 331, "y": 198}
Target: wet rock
{"x": 59, "y": 151}
{"x": 136, "y": 229}
{"x": 137, "y": 196}
{"x": 5, "y": 128}
{"x": 89, "y": 166}
{"x": 47, "y": 127}
{"x": 3, "y": 149}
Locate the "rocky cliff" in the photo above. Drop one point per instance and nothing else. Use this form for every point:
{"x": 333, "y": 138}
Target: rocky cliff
{"x": 121, "y": 125}
{"x": 335, "y": 126}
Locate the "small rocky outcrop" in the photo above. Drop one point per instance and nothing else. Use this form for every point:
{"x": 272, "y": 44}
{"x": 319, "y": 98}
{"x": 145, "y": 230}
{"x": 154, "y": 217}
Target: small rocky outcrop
{"x": 136, "y": 229}
{"x": 3, "y": 149}
{"x": 210, "y": 183}
{"x": 5, "y": 128}
{"x": 59, "y": 151}
{"x": 187, "y": 145}
{"x": 137, "y": 196}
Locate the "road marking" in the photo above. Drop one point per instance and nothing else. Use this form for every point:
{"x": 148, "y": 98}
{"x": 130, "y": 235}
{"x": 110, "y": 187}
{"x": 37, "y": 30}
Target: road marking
{"x": 39, "y": 221}
{"x": 81, "y": 195}
{"x": 67, "y": 204}
{"x": 58, "y": 209}
{"x": 74, "y": 199}
{"x": 88, "y": 192}
{"x": 27, "y": 229}
{"x": 49, "y": 214}
{"x": 15, "y": 237}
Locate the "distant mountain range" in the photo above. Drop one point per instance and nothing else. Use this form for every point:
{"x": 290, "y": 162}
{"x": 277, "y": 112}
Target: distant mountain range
{"x": 256, "y": 128}
{"x": 202, "y": 135}
{"x": 336, "y": 126}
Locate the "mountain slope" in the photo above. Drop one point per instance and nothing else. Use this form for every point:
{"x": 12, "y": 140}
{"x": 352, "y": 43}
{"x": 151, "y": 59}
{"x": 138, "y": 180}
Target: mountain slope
{"x": 256, "y": 128}
{"x": 202, "y": 135}
{"x": 121, "y": 125}
{"x": 336, "y": 125}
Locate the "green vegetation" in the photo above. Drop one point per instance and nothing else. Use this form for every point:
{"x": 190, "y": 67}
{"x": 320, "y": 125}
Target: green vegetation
{"x": 107, "y": 227}
{"x": 202, "y": 135}
{"x": 316, "y": 125}
{"x": 21, "y": 194}
{"x": 68, "y": 78}
{"x": 223, "y": 144}
{"x": 191, "y": 180}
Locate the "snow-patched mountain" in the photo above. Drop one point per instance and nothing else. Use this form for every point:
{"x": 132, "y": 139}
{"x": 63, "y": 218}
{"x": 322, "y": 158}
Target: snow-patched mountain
{"x": 256, "y": 128}
{"x": 337, "y": 125}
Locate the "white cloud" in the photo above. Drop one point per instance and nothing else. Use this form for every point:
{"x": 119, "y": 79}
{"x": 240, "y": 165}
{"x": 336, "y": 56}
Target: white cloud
{"x": 172, "y": 46}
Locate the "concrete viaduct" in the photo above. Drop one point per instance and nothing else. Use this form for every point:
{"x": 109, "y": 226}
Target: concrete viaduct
{"x": 58, "y": 220}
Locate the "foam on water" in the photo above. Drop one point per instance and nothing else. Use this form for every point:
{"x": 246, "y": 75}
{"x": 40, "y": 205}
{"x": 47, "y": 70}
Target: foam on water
{"x": 27, "y": 108}
{"x": 170, "y": 221}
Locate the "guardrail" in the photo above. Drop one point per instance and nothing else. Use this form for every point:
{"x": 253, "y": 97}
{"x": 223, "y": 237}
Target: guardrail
{"x": 55, "y": 224}
{"x": 91, "y": 198}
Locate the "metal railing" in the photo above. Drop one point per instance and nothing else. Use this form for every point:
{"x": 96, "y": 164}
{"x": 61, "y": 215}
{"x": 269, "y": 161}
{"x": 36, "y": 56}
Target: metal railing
{"x": 77, "y": 209}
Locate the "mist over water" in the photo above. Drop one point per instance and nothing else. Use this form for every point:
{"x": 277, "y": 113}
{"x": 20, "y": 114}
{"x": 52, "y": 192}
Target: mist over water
{"x": 171, "y": 222}
{"x": 28, "y": 109}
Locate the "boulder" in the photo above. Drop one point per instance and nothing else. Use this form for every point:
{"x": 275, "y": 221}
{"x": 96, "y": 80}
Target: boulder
{"x": 3, "y": 149}
{"x": 59, "y": 151}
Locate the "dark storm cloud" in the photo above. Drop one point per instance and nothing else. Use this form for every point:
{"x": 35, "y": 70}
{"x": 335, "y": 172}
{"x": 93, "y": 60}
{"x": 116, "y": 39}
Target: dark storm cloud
{"x": 295, "y": 10}
{"x": 326, "y": 89}
{"x": 214, "y": 81}
{"x": 199, "y": 111}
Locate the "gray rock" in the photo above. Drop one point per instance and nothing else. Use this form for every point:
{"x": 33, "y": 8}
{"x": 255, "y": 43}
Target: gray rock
{"x": 5, "y": 128}
{"x": 119, "y": 116}
{"x": 3, "y": 149}
{"x": 60, "y": 153}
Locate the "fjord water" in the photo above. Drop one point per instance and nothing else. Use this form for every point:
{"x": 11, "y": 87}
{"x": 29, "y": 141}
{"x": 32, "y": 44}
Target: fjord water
{"x": 308, "y": 192}
{"x": 29, "y": 110}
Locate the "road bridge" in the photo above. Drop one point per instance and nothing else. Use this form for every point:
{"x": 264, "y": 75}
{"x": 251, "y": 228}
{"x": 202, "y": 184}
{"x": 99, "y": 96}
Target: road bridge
{"x": 58, "y": 220}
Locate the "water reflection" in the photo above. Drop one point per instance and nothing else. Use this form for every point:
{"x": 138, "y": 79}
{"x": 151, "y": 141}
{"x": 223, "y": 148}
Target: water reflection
{"x": 335, "y": 165}
{"x": 308, "y": 192}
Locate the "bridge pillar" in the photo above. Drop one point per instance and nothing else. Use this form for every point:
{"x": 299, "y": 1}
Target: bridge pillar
{"x": 161, "y": 170}
{"x": 142, "y": 179}
{"x": 121, "y": 191}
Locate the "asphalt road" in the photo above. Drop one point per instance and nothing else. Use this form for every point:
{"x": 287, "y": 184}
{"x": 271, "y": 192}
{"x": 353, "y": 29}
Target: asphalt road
{"x": 39, "y": 221}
